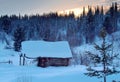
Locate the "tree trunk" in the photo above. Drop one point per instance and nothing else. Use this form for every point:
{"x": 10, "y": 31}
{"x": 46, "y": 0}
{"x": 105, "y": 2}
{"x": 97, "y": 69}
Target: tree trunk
{"x": 104, "y": 59}
{"x": 104, "y": 78}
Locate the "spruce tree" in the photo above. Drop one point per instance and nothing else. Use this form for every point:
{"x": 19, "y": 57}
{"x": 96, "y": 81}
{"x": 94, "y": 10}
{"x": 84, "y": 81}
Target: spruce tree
{"x": 6, "y": 24}
{"x": 90, "y": 29}
{"x": 105, "y": 58}
{"x": 19, "y": 36}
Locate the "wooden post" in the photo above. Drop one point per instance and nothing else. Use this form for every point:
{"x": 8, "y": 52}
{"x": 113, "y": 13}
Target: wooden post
{"x": 10, "y": 62}
{"x": 20, "y": 59}
{"x": 23, "y": 59}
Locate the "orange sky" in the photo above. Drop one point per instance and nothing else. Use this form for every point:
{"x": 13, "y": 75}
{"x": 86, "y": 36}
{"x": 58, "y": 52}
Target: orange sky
{"x": 45, "y": 6}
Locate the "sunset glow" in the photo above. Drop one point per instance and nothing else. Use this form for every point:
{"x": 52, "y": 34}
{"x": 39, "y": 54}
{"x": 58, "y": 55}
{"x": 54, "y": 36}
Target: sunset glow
{"x": 46, "y": 6}
{"x": 76, "y": 11}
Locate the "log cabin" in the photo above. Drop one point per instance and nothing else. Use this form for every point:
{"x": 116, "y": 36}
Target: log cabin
{"x": 48, "y": 53}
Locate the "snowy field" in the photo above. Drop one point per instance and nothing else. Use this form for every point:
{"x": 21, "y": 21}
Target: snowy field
{"x": 11, "y": 73}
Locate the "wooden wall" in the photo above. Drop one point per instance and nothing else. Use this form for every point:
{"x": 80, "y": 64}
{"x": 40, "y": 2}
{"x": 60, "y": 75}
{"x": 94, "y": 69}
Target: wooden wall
{"x": 47, "y": 61}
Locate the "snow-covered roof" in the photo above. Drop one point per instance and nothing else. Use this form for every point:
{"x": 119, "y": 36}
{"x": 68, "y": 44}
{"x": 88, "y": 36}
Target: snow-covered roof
{"x": 58, "y": 49}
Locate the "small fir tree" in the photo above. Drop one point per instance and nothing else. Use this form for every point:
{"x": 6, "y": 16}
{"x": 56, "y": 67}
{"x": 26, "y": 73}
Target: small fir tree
{"x": 104, "y": 58}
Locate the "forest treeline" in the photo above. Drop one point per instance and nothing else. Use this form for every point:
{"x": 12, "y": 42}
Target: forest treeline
{"x": 55, "y": 27}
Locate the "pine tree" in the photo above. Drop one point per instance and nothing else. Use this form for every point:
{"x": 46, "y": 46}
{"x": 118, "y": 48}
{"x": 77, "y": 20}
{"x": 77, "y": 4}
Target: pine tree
{"x": 104, "y": 58}
{"x": 90, "y": 29}
{"x": 6, "y": 23}
{"x": 108, "y": 24}
{"x": 84, "y": 13}
{"x": 19, "y": 36}
{"x": 111, "y": 19}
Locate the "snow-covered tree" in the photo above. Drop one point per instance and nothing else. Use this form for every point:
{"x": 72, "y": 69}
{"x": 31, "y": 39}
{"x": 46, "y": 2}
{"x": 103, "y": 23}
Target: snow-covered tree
{"x": 6, "y": 23}
{"x": 19, "y": 36}
{"x": 104, "y": 58}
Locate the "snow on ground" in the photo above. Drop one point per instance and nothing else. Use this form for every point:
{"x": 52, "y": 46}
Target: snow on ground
{"x": 87, "y": 47}
{"x": 8, "y": 54}
{"x": 37, "y": 74}
{"x": 11, "y": 73}
{"x": 31, "y": 73}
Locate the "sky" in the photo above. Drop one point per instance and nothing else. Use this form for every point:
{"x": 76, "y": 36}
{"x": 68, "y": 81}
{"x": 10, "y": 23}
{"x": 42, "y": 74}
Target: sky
{"x": 45, "y": 6}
